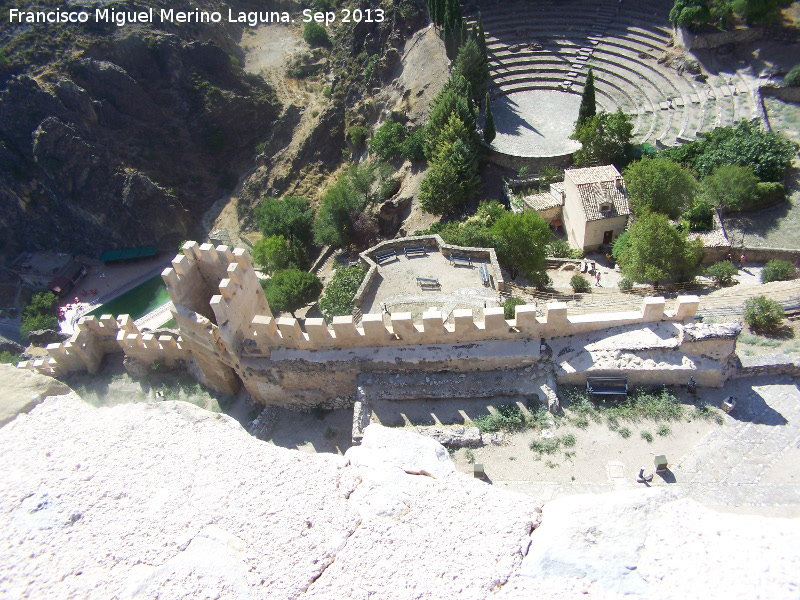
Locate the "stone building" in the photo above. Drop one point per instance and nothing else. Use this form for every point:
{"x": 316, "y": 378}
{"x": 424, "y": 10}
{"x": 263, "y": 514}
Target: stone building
{"x": 596, "y": 206}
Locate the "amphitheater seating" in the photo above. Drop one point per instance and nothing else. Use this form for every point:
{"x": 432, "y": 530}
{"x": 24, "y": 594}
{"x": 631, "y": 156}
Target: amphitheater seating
{"x": 551, "y": 45}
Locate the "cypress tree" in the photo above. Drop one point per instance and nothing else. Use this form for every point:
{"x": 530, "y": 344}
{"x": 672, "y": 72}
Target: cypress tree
{"x": 432, "y": 10}
{"x": 489, "y": 131}
{"x": 588, "y": 107}
{"x": 440, "y": 13}
{"x": 464, "y": 32}
{"x": 482, "y": 38}
{"x": 449, "y": 46}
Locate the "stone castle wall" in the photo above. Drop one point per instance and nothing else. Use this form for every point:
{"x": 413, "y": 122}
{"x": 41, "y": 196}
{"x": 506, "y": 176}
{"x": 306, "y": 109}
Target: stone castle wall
{"x": 228, "y": 331}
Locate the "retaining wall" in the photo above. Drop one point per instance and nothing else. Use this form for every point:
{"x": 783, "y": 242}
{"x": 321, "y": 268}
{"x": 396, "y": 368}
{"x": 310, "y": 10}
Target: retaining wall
{"x": 705, "y": 41}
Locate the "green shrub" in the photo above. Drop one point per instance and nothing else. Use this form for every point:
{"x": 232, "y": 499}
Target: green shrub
{"x": 763, "y": 314}
{"x": 388, "y": 140}
{"x": 9, "y": 357}
{"x": 337, "y": 300}
{"x": 579, "y": 283}
{"x": 413, "y": 147}
{"x": 509, "y": 307}
{"x": 507, "y": 418}
{"x": 778, "y": 270}
{"x": 357, "y": 134}
{"x": 792, "y": 78}
{"x": 315, "y": 35}
{"x": 568, "y": 440}
{"x": 40, "y": 313}
{"x": 647, "y": 436}
{"x": 624, "y": 432}
{"x": 290, "y": 289}
{"x": 664, "y": 430}
{"x": 545, "y": 446}
{"x": 558, "y": 249}
{"x": 722, "y": 272}
{"x": 625, "y": 284}
{"x": 768, "y": 193}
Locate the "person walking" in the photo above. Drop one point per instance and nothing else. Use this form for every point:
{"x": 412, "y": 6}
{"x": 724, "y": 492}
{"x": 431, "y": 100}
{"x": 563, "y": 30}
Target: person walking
{"x": 597, "y": 278}
{"x": 741, "y": 261}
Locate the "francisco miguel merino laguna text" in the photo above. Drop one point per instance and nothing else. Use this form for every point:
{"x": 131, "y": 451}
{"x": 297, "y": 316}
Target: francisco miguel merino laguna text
{"x": 122, "y": 18}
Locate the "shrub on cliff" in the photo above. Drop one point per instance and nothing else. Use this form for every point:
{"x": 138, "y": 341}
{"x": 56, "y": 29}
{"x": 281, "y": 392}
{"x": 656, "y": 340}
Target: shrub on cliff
{"x": 315, "y": 35}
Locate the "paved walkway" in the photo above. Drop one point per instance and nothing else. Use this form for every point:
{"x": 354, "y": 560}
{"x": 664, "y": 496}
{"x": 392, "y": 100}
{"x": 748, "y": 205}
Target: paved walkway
{"x": 751, "y": 464}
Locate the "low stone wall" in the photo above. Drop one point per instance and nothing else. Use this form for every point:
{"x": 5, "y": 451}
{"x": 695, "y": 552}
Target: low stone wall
{"x": 769, "y": 364}
{"x": 787, "y": 94}
{"x": 705, "y": 41}
{"x": 533, "y": 163}
{"x": 434, "y": 243}
{"x": 712, "y": 255}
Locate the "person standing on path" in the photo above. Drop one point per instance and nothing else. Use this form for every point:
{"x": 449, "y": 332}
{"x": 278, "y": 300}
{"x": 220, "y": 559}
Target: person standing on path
{"x": 741, "y": 261}
{"x": 597, "y": 278}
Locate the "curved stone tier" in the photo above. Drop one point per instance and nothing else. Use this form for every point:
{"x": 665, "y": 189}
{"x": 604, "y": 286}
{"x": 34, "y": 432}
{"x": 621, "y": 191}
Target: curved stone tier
{"x": 549, "y": 47}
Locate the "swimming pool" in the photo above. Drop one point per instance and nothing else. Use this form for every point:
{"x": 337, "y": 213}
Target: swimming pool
{"x": 136, "y": 302}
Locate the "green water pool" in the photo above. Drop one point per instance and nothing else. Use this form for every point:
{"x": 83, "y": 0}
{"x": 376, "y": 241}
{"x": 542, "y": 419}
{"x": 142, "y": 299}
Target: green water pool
{"x": 138, "y": 301}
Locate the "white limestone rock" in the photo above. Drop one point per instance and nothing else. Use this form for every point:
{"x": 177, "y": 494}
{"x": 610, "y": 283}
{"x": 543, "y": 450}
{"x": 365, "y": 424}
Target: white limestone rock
{"x": 413, "y": 453}
{"x": 167, "y": 500}
{"x": 22, "y": 390}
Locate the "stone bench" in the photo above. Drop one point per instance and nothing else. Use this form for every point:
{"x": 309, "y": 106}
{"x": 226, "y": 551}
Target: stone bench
{"x": 385, "y": 256}
{"x": 414, "y": 251}
{"x": 607, "y": 386}
{"x": 428, "y": 281}
{"x": 459, "y": 259}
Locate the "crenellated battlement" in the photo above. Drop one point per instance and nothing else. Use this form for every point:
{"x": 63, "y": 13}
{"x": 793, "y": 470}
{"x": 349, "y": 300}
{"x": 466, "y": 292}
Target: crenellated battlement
{"x": 228, "y": 330}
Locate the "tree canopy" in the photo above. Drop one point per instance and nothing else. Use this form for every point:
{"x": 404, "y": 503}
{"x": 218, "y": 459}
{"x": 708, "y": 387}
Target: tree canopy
{"x": 472, "y": 66}
{"x": 653, "y": 251}
{"x": 290, "y": 289}
{"x": 274, "y": 253}
{"x": 693, "y": 14}
{"x": 605, "y": 139}
{"x": 731, "y": 186}
{"x": 769, "y": 154}
{"x": 521, "y": 241}
{"x": 290, "y": 217}
{"x": 659, "y": 185}
{"x": 340, "y": 218}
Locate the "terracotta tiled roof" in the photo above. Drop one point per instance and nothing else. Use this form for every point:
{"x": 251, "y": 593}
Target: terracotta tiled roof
{"x": 593, "y": 174}
{"x": 541, "y": 201}
{"x": 594, "y": 195}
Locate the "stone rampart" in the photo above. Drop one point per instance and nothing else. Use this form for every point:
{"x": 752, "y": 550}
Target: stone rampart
{"x": 229, "y": 333}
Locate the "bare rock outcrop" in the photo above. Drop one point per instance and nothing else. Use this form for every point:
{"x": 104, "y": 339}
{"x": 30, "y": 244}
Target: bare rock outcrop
{"x": 23, "y": 390}
{"x": 168, "y": 500}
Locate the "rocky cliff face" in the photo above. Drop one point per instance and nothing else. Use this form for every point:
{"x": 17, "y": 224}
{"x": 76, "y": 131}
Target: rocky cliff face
{"x": 167, "y": 500}
{"x": 121, "y": 136}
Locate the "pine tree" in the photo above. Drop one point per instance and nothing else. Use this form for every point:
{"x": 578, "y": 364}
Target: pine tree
{"x": 588, "y": 107}
{"x": 489, "y": 131}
